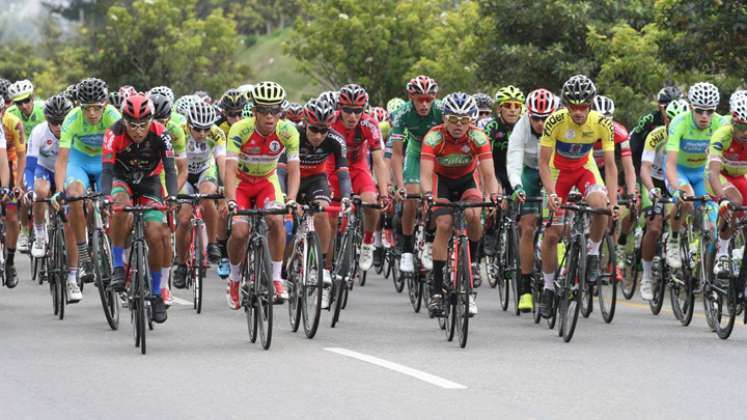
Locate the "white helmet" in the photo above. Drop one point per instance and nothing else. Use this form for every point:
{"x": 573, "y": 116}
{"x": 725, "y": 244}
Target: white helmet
{"x": 604, "y": 105}
{"x": 738, "y": 106}
{"x": 163, "y": 90}
{"x": 735, "y": 96}
{"x": 20, "y": 90}
{"x": 201, "y": 114}
{"x": 703, "y": 95}
{"x": 183, "y": 103}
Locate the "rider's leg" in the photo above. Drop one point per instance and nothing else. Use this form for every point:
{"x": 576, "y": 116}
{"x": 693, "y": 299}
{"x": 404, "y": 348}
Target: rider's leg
{"x": 440, "y": 249}
{"x": 76, "y": 242}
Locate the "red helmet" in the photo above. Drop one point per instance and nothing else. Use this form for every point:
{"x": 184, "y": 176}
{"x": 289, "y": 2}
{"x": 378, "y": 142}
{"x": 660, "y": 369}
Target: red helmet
{"x": 353, "y": 95}
{"x": 541, "y": 103}
{"x": 294, "y": 113}
{"x": 379, "y": 114}
{"x": 422, "y": 85}
{"x": 137, "y": 107}
{"x": 318, "y": 113}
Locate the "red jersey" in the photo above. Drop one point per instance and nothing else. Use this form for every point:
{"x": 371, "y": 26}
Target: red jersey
{"x": 359, "y": 140}
{"x": 133, "y": 161}
{"x": 455, "y": 158}
{"x": 622, "y": 145}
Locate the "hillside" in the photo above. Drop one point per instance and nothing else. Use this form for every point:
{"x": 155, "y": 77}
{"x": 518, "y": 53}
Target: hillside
{"x": 268, "y": 62}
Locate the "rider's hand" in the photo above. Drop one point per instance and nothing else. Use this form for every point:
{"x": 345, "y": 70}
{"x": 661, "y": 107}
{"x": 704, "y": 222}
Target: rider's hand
{"x": 654, "y": 194}
{"x": 554, "y": 201}
{"x": 401, "y": 193}
{"x": 519, "y": 194}
{"x": 428, "y": 198}
{"x": 346, "y": 204}
{"x": 385, "y": 202}
{"x": 57, "y": 199}
{"x": 231, "y": 205}
{"x": 615, "y": 212}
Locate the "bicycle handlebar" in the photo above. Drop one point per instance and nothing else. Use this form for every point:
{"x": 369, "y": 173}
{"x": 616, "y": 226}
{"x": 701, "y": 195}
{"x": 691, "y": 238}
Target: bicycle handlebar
{"x": 199, "y": 197}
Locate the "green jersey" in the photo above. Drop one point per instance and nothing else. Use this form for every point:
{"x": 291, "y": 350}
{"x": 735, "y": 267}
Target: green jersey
{"x": 35, "y": 118}
{"x": 408, "y": 125}
{"x": 178, "y": 138}
{"x": 79, "y": 134}
{"x": 691, "y": 142}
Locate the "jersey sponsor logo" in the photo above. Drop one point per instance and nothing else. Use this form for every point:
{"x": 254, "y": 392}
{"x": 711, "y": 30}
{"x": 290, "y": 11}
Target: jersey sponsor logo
{"x": 275, "y": 146}
{"x": 570, "y": 134}
{"x": 455, "y": 160}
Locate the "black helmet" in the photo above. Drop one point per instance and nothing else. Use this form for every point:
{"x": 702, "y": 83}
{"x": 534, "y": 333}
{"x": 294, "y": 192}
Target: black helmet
{"x": 232, "y": 100}
{"x": 668, "y": 94}
{"x": 92, "y": 90}
{"x": 57, "y": 107}
{"x": 578, "y": 89}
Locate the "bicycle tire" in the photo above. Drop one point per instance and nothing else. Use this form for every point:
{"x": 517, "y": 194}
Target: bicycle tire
{"x": 587, "y": 300}
{"x": 681, "y": 292}
{"x": 312, "y": 290}
{"x": 60, "y": 269}
{"x": 200, "y": 268}
{"x": 248, "y": 297}
{"x": 265, "y": 294}
{"x": 463, "y": 293}
{"x": 573, "y": 284}
{"x": 537, "y": 287}
{"x": 103, "y": 272}
{"x": 631, "y": 273}
{"x": 139, "y": 284}
{"x": 397, "y": 277}
{"x": 449, "y": 298}
{"x": 294, "y": 282}
{"x": 607, "y": 285}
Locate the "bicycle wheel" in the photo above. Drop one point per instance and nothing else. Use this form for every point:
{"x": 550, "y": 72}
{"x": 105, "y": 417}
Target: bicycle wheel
{"x": 312, "y": 286}
{"x": 661, "y": 270}
{"x": 463, "y": 293}
{"x": 587, "y": 300}
{"x": 138, "y": 299}
{"x": 571, "y": 288}
{"x": 681, "y": 291}
{"x": 103, "y": 272}
{"x": 607, "y": 283}
{"x": 265, "y": 292}
{"x": 295, "y": 290}
{"x": 248, "y": 298}
{"x": 344, "y": 256}
{"x": 59, "y": 272}
{"x": 631, "y": 272}
{"x": 393, "y": 270}
{"x": 199, "y": 267}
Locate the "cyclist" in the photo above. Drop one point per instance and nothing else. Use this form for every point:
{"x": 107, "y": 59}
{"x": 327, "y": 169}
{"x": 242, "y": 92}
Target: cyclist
{"x": 411, "y": 121}
{"x": 4, "y": 84}
{"x": 687, "y": 148}
{"x": 71, "y": 93}
{"x": 566, "y": 162}
{"x": 295, "y": 113}
{"x": 727, "y": 172}
{"x": 509, "y": 102}
{"x": 15, "y": 151}
{"x": 523, "y": 174}
{"x": 30, "y": 111}
{"x": 650, "y": 121}
{"x": 40, "y": 162}
{"x": 254, "y": 147}
{"x": 206, "y": 154}
{"x": 485, "y": 107}
{"x": 318, "y": 141}
{"x": 232, "y": 104}
{"x": 136, "y": 149}
{"x": 652, "y": 179}
{"x": 79, "y": 160}
{"x": 362, "y": 134}
{"x": 451, "y": 152}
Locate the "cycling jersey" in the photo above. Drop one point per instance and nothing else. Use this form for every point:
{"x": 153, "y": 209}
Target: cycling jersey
{"x": 314, "y": 158}
{"x": 43, "y": 146}
{"x": 654, "y": 152}
{"x": 134, "y": 162}
{"x": 78, "y": 134}
{"x": 455, "y": 158}
{"x": 385, "y": 127}
{"x": 364, "y": 136}
{"x": 178, "y": 138}
{"x": 730, "y": 152}
{"x": 258, "y": 155}
{"x": 35, "y": 118}
{"x": 572, "y": 143}
{"x": 622, "y": 145}
{"x": 499, "y": 132}
{"x": 639, "y": 133}
{"x": 409, "y": 128}
{"x": 523, "y": 151}
{"x": 3, "y": 142}
{"x": 201, "y": 154}
{"x": 690, "y": 142}
{"x": 14, "y": 135}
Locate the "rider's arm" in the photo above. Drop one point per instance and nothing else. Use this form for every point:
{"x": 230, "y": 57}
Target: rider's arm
{"x": 4, "y": 168}
{"x": 629, "y": 170}
{"x": 382, "y": 171}
{"x": 340, "y": 154}
{"x": 167, "y": 157}
{"x": 181, "y": 172}
{"x": 544, "y": 169}
{"x": 427, "y": 158}
{"x": 610, "y": 175}
{"x": 714, "y": 172}
{"x": 671, "y": 170}
{"x": 33, "y": 153}
{"x": 294, "y": 178}
{"x": 109, "y": 156}
{"x": 220, "y": 155}
{"x": 292, "y": 155}
{"x": 646, "y": 179}
{"x": 229, "y": 187}
{"x": 673, "y": 147}
{"x": 487, "y": 173}
{"x": 515, "y": 152}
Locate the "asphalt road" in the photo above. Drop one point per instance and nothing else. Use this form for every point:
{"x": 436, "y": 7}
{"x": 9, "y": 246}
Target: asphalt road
{"x": 382, "y": 361}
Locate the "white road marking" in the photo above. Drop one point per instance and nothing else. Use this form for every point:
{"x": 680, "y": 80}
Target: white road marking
{"x": 417, "y": 374}
{"x": 181, "y": 301}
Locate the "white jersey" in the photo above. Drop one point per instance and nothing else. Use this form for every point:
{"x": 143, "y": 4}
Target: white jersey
{"x": 43, "y": 145}
{"x": 523, "y": 150}
{"x": 3, "y": 141}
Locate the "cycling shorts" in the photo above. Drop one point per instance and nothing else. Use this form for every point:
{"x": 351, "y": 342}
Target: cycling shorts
{"x": 360, "y": 180}
{"x": 586, "y": 179}
{"x": 314, "y": 188}
{"x": 730, "y": 181}
{"x": 192, "y": 186}
{"x": 80, "y": 167}
{"x": 689, "y": 176}
{"x": 466, "y": 188}
{"x": 148, "y": 191}
{"x": 530, "y": 181}
{"x": 262, "y": 194}
{"x": 411, "y": 173}
{"x": 44, "y": 174}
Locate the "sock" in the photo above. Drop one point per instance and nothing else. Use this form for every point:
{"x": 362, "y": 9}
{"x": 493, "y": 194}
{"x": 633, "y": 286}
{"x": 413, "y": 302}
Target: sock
{"x": 235, "y": 273}
{"x": 408, "y": 245}
{"x": 377, "y": 239}
{"x": 438, "y": 276}
{"x": 430, "y": 235}
{"x": 623, "y": 239}
{"x": 473, "y": 250}
{"x": 222, "y": 246}
{"x": 525, "y": 284}
{"x": 11, "y": 256}
{"x": 723, "y": 247}
{"x": 594, "y": 247}
{"x": 83, "y": 252}
{"x": 277, "y": 268}
{"x": 117, "y": 252}
{"x": 39, "y": 231}
{"x": 549, "y": 277}
{"x": 155, "y": 282}
{"x": 368, "y": 238}
{"x": 647, "y": 267}
{"x": 165, "y": 278}
{"x": 72, "y": 275}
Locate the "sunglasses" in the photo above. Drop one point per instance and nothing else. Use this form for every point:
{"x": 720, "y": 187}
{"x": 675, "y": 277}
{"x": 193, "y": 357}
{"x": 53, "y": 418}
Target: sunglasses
{"x": 704, "y": 111}
{"x": 54, "y": 123}
{"x": 454, "y": 119}
{"x": 267, "y": 110}
{"x": 94, "y": 107}
{"x": 483, "y": 113}
{"x": 537, "y": 118}
{"x": 511, "y": 105}
{"x": 138, "y": 125}
{"x": 23, "y": 101}
{"x": 199, "y": 129}
{"x": 352, "y": 110}
{"x": 318, "y": 130}
{"x": 579, "y": 107}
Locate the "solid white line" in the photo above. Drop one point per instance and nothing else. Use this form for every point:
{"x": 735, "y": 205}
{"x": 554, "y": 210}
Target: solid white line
{"x": 181, "y": 301}
{"x": 417, "y": 374}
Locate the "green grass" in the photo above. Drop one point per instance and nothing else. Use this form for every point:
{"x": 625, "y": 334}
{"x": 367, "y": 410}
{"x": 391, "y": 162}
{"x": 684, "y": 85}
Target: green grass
{"x": 268, "y": 62}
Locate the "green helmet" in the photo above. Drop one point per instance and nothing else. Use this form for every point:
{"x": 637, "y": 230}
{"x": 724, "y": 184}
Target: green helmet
{"x": 394, "y": 104}
{"x": 508, "y": 93}
{"x": 248, "y": 110}
{"x": 677, "y": 107}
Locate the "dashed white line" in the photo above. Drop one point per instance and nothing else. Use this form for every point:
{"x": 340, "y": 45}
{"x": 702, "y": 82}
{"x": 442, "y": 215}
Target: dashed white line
{"x": 417, "y": 374}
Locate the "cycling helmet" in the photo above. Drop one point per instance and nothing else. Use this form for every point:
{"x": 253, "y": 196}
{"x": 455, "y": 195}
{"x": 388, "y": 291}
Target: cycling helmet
{"x": 295, "y": 112}
{"x": 137, "y": 107}
{"x": 56, "y": 108}
{"x": 577, "y": 90}
{"x": 161, "y": 106}
{"x": 379, "y": 114}
{"x": 422, "y": 85}
{"x": 460, "y": 103}
{"x": 604, "y": 105}
{"x": 92, "y": 91}
{"x": 116, "y": 99}
{"x": 163, "y": 90}
{"x": 703, "y": 95}
{"x": 182, "y": 104}
{"x": 248, "y": 110}
{"x": 4, "y": 84}
{"x": 738, "y": 106}
{"x": 203, "y": 96}
{"x": 246, "y": 90}
{"x": 394, "y": 104}
{"x": 483, "y": 100}
{"x": 71, "y": 93}
{"x": 330, "y": 97}
{"x": 668, "y": 94}
{"x": 127, "y": 90}
{"x": 318, "y": 113}
{"x": 507, "y": 94}
{"x": 232, "y": 100}
{"x": 542, "y": 103}
{"x": 353, "y": 95}
{"x": 20, "y": 90}
{"x": 201, "y": 114}
{"x": 677, "y": 107}
{"x": 268, "y": 93}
